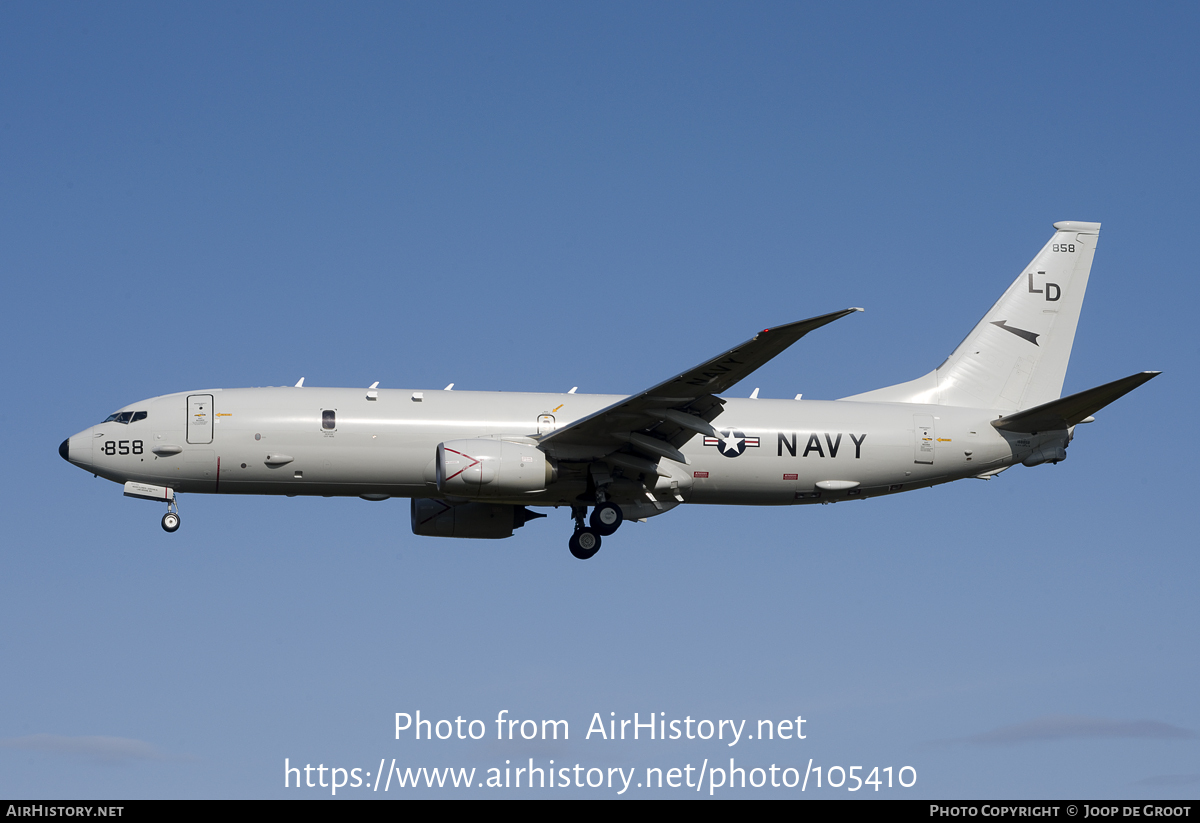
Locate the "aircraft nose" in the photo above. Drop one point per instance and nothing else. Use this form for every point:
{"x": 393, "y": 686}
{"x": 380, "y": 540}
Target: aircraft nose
{"x": 77, "y": 449}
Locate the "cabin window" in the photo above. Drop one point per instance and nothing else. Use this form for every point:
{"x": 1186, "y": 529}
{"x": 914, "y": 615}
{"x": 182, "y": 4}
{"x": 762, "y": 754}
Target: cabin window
{"x": 329, "y": 419}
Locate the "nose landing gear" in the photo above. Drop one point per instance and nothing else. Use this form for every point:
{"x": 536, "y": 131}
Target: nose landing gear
{"x": 170, "y": 521}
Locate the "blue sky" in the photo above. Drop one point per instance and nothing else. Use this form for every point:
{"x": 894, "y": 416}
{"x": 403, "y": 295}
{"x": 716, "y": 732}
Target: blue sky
{"x": 530, "y": 197}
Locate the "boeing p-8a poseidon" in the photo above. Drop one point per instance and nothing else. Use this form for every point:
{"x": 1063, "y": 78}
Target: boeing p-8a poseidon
{"x": 473, "y": 462}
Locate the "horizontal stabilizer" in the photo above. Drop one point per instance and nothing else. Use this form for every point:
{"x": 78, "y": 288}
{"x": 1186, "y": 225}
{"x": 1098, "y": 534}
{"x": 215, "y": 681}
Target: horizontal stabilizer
{"x": 1075, "y": 408}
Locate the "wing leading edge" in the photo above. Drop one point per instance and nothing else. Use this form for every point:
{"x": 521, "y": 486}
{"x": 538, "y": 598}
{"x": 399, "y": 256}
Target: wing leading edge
{"x": 656, "y": 422}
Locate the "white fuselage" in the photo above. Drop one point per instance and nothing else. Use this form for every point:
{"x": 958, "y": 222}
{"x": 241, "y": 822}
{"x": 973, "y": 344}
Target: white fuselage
{"x": 383, "y": 443}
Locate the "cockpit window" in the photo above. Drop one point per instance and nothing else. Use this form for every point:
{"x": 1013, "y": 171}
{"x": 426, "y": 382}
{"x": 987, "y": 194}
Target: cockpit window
{"x": 125, "y": 417}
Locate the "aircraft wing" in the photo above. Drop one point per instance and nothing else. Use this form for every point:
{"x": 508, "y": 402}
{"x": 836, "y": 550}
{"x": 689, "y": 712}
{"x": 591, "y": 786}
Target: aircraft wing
{"x": 1072, "y": 409}
{"x": 657, "y": 421}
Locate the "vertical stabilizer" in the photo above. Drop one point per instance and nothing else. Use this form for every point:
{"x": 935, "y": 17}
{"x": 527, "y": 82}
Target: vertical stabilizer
{"x": 1016, "y": 356}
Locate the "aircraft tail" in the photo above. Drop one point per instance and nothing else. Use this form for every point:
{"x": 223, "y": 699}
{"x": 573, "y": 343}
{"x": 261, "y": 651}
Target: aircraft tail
{"x": 1016, "y": 356}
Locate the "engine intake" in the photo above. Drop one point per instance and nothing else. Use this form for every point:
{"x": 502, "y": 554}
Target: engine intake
{"x": 491, "y": 468}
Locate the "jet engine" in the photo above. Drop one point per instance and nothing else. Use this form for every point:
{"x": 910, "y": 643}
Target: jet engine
{"x": 491, "y": 468}
{"x": 441, "y": 518}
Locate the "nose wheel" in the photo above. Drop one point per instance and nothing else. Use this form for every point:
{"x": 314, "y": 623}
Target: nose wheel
{"x": 170, "y": 521}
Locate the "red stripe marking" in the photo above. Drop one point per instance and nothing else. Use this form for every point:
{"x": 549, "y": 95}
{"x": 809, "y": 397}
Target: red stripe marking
{"x": 464, "y": 468}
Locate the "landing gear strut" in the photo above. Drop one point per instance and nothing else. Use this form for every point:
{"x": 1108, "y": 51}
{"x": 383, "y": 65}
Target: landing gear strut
{"x": 170, "y": 521}
{"x": 585, "y": 542}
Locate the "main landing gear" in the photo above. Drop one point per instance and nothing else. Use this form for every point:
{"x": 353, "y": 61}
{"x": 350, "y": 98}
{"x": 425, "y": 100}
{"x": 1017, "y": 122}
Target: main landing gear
{"x": 606, "y": 518}
{"x": 170, "y": 521}
{"x": 585, "y": 543}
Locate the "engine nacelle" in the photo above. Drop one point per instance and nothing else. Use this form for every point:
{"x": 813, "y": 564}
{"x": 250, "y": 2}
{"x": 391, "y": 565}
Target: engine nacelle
{"x": 491, "y": 468}
{"x": 440, "y": 518}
